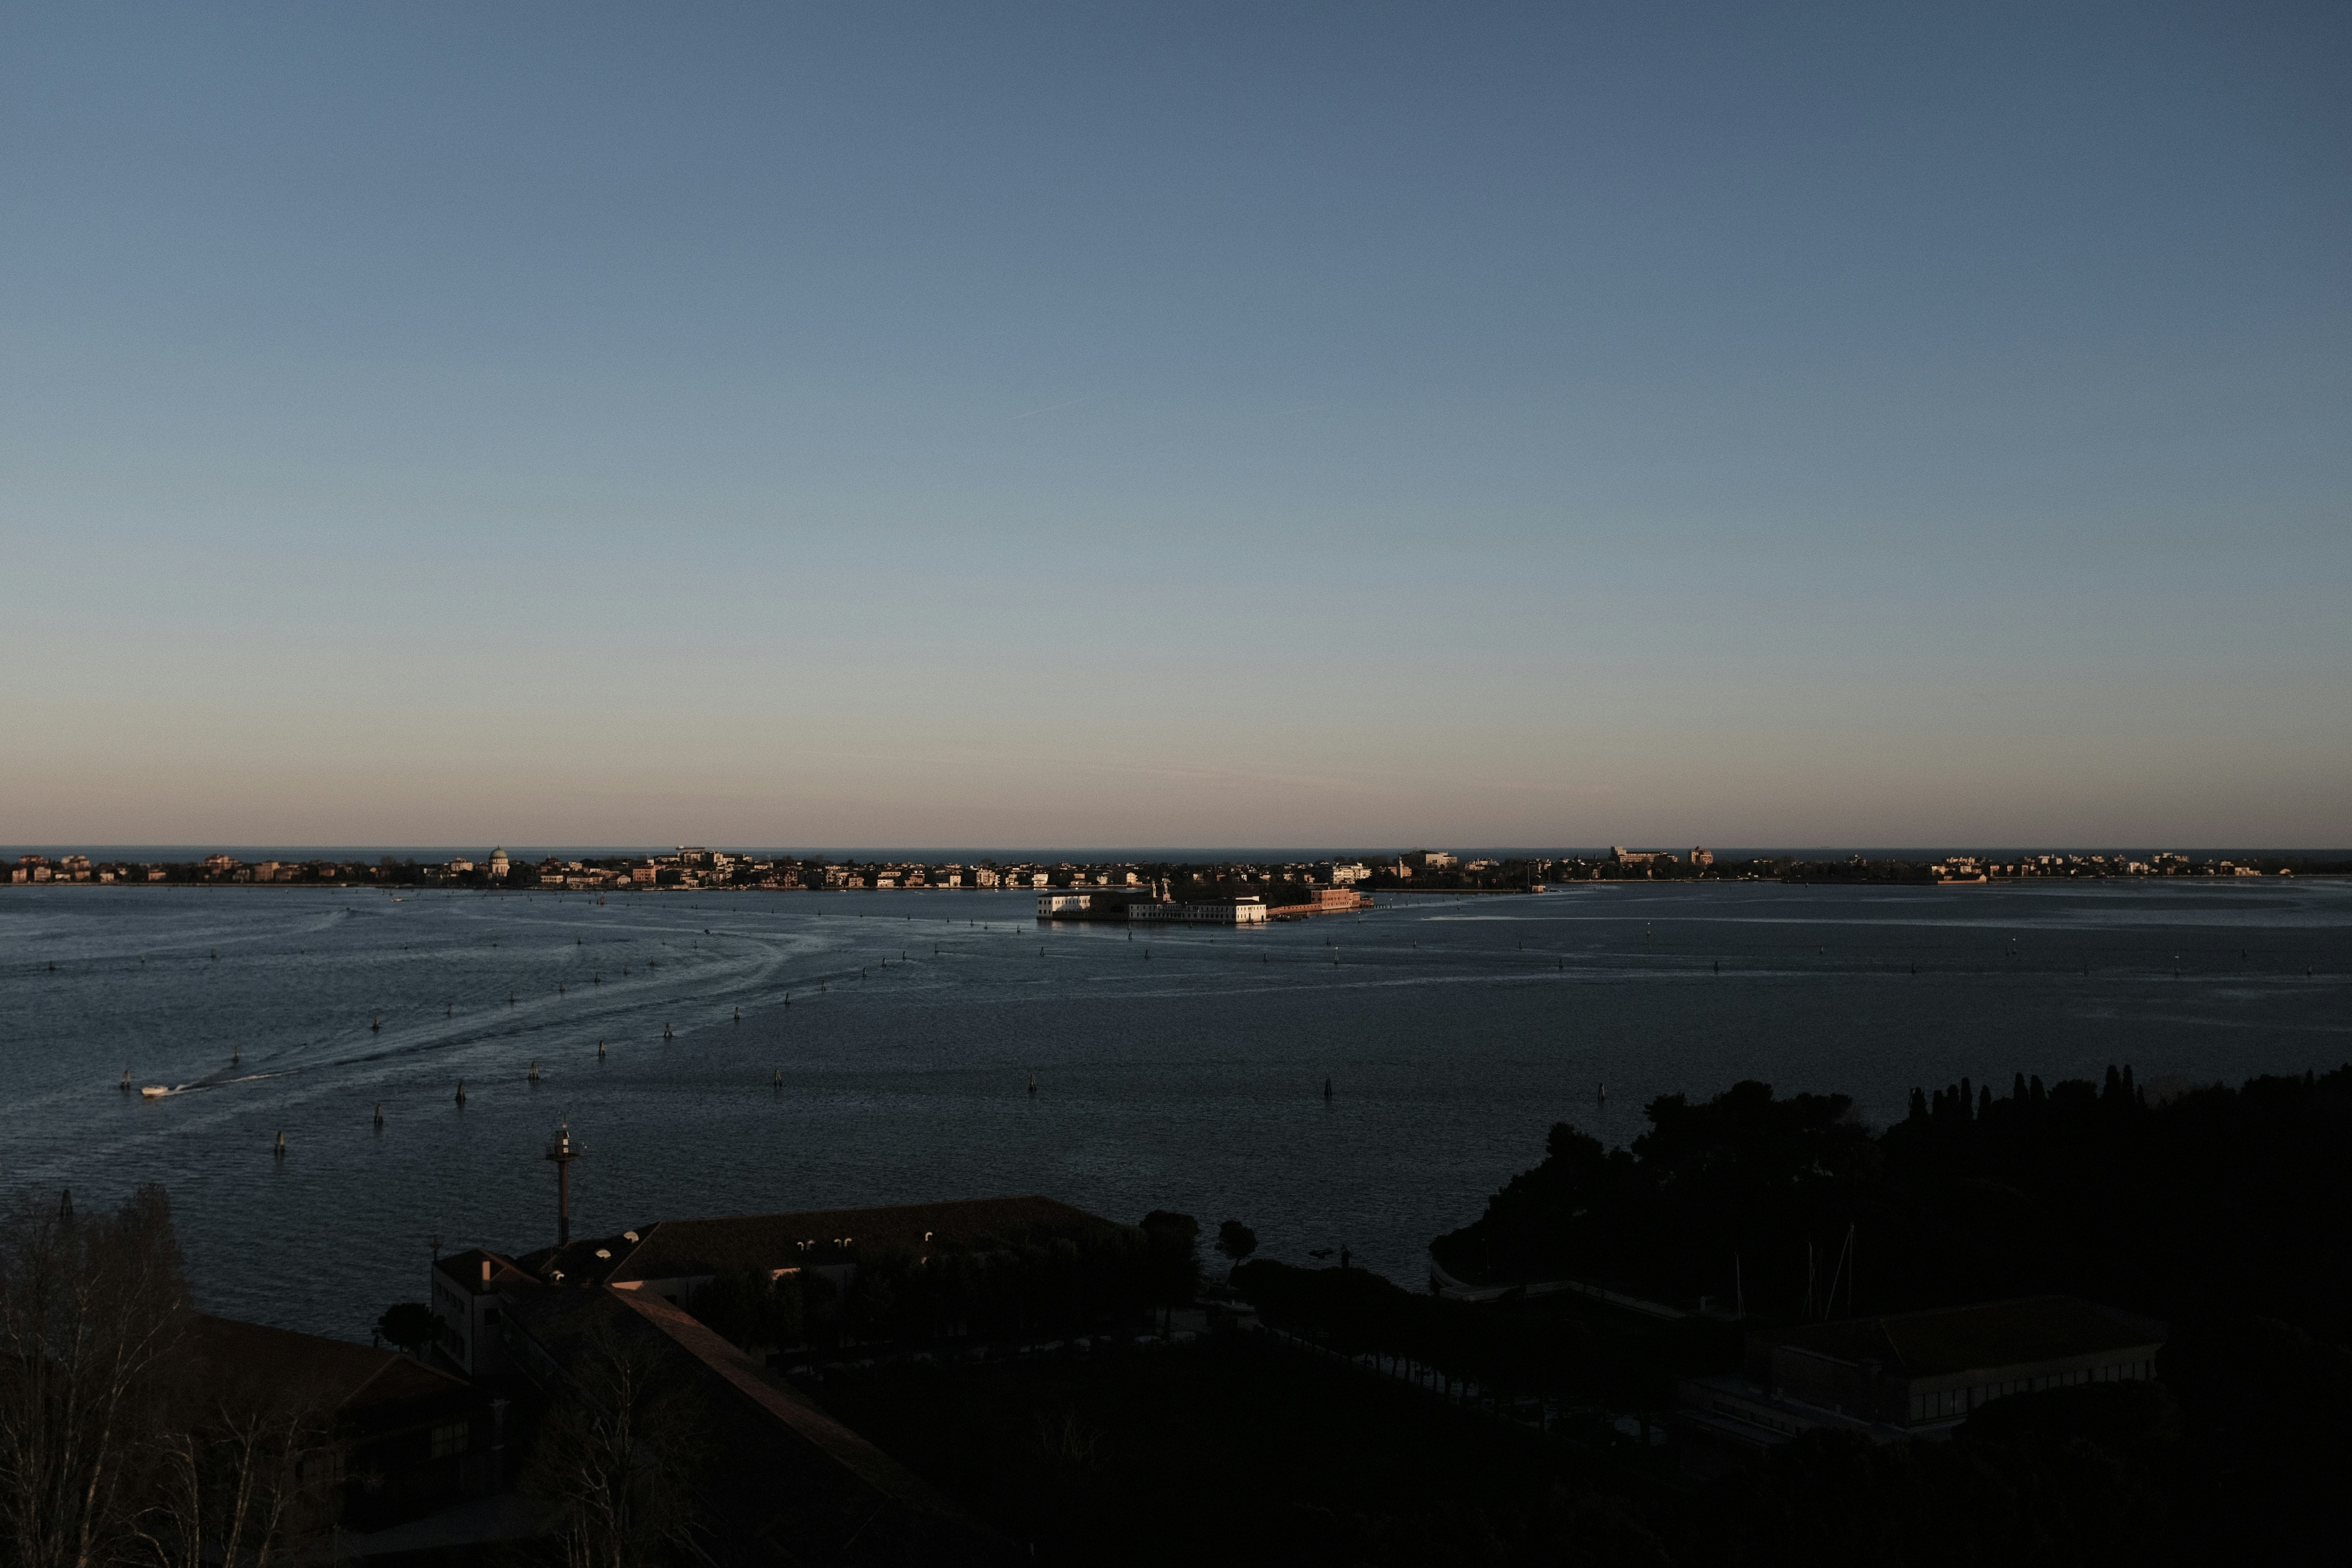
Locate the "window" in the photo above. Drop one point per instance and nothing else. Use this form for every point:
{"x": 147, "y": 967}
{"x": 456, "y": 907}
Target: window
{"x": 449, "y": 1440}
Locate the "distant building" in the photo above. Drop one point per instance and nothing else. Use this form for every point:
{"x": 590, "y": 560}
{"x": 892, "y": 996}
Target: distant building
{"x": 500, "y": 865}
{"x": 1079, "y": 903}
{"x": 1246, "y": 910}
{"x": 1429, "y": 861}
{"x": 1702, "y": 857}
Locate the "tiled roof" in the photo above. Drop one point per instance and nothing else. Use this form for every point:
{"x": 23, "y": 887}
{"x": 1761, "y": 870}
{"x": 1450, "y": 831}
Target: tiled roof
{"x": 794, "y": 1410}
{"x": 350, "y": 1379}
{"x": 783, "y": 1481}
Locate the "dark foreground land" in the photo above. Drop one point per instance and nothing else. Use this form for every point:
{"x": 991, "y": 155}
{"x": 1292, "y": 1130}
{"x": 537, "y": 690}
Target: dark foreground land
{"x": 1242, "y": 1451}
{"x": 1519, "y": 1430}
{"x": 1245, "y": 1453}
{"x": 1012, "y": 1391}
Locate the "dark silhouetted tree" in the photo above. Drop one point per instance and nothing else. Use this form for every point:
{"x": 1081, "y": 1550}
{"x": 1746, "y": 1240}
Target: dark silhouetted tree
{"x": 619, "y": 1456}
{"x": 90, "y": 1310}
{"x": 410, "y": 1325}
{"x": 1236, "y": 1241}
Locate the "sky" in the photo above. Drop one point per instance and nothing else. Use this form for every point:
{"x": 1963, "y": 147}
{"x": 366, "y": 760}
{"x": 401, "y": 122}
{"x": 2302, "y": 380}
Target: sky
{"x": 1176, "y": 425}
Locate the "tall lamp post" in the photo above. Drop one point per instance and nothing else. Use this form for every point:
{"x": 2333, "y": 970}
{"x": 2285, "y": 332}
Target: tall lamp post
{"x": 562, "y": 1152}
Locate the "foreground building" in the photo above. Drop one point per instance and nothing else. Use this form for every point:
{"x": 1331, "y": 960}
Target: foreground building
{"x": 781, "y": 1481}
{"x": 1908, "y": 1374}
{"x": 675, "y": 1259}
{"x": 785, "y": 1481}
{"x": 400, "y": 1455}
{"x": 474, "y": 1292}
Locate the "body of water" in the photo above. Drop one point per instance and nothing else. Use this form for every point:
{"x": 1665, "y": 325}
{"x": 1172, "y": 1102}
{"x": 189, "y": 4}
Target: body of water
{"x": 1178, "y": 1069}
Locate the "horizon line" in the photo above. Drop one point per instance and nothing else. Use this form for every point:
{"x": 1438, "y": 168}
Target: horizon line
{"x": 1138, "y": 852}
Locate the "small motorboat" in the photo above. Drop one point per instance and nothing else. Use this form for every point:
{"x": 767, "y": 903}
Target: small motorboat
{"x": 153, "y": 1091}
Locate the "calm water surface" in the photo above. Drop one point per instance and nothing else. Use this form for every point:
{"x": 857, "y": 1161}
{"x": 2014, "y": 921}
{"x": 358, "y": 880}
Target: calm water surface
{"x": 1181, "y": 1069}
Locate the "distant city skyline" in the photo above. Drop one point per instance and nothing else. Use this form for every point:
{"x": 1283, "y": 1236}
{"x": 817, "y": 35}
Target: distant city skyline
{"x": 1271, "y": 854}
{"x": 1507, "y": 424}
{"x": 1184, "y": 886}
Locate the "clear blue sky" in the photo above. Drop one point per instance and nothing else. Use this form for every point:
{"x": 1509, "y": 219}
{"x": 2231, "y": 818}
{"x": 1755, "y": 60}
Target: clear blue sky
{"x": 1184, "y": 425}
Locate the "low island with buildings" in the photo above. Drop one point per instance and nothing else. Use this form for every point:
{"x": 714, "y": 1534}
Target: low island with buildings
{"x": 1297, "y": 885}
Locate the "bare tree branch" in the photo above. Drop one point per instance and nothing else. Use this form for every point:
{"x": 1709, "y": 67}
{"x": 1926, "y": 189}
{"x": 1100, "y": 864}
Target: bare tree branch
{"x": 88, "y": 1310}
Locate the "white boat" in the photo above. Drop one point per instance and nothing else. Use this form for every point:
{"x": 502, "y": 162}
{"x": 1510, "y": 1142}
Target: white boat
{"x": 153, "y": 1091}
